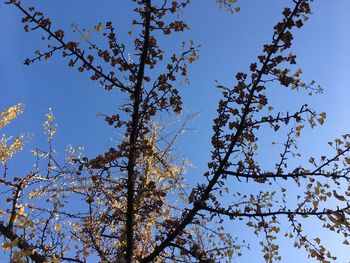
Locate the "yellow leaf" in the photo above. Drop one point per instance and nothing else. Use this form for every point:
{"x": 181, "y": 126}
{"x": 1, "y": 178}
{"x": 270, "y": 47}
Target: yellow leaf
{"x": 54, "y": 259}
{"x": 323, "y": 114}
{"x": 20, "y": 211}
{"x": 98, "y": 27}
{"x": 298, "y": 128}
{"x": 6, "y": 245}
{"x": 9, "y": 114}
{"x": 339, "y": 197}
{"x": 297, "y": 73}
{"x": 312, "y": 122}
{"x": 86, "y": 35}
{"x": 229, "y": 253}
{"x": 57, "y": 228}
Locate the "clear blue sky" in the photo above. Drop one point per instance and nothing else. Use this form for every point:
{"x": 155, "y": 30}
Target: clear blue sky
{"x": 229, "y": 44}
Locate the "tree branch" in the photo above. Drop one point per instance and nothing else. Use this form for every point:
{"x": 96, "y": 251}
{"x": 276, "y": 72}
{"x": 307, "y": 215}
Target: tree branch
{"x": 9, "y": 234}
{"x": 134, "y": 133}
{"x": 113, "y": 81}
{"x": 219, "y": 172}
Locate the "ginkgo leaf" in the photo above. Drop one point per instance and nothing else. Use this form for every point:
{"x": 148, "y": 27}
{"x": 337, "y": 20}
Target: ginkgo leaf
{"x": 20, "y": 211}
{"x": 320, "y": 120}
{"x": 86, "y": 35}
{"x": 98, "y": 27}
{"x": 347, "y": 160}
{"x": 339, "y": 197}
{"x": 318, "y": 241}
{"x": 10, "y": 114}
{"x": 57, "y": 228}
{"x": 298, "y": 128}
{"x": 297, "y": 73}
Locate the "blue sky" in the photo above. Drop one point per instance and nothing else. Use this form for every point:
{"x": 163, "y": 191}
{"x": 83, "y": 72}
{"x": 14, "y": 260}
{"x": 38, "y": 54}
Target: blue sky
{"x": 229, "y": 43}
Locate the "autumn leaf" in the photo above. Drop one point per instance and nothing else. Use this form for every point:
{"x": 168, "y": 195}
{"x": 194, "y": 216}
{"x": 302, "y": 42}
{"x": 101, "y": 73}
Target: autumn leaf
{"x": 86, "y": 35}
{"x": 98, "y": 27}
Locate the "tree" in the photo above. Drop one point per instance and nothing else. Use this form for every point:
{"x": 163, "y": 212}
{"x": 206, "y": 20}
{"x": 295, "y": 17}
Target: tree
{"x": 128, "y": 214}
